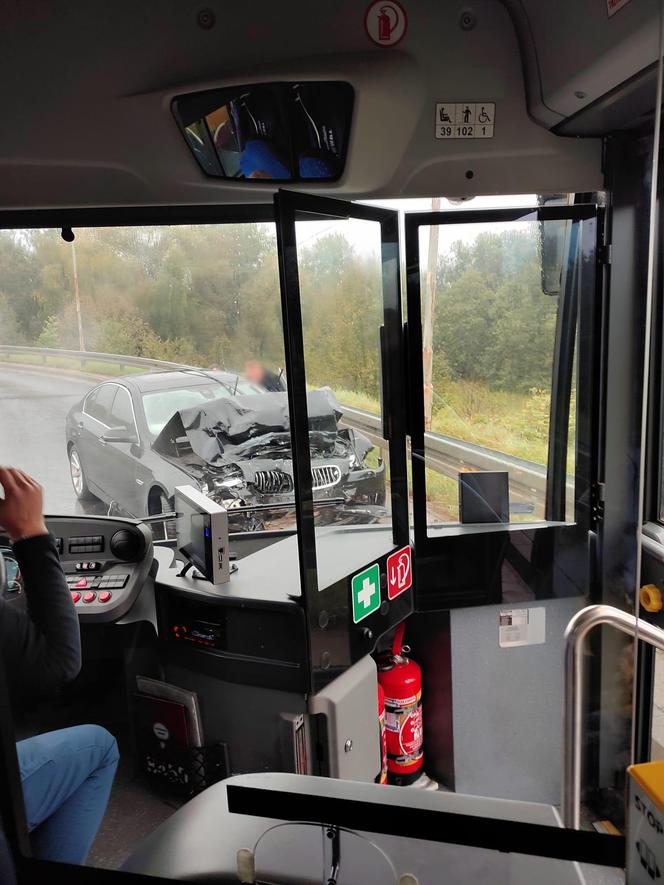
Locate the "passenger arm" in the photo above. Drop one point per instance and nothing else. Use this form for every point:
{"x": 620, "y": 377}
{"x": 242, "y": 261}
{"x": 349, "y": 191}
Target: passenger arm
{"x": 40, "y": 645}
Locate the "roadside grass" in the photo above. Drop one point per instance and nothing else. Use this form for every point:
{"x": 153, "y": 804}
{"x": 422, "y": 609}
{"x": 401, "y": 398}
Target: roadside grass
{"x": 514, "y": 423}
{"x": 94, "y": 367}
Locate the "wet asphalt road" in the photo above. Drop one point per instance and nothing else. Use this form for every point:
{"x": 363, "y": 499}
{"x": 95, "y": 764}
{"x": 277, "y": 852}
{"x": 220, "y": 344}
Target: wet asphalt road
{"x": 33, "y": 405}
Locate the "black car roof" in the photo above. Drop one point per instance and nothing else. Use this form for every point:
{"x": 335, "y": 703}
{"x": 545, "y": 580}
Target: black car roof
{"x": 154, "y": 381}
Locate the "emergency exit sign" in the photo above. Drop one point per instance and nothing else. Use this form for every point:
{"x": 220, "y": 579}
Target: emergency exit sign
{"x": 365, "y": 590}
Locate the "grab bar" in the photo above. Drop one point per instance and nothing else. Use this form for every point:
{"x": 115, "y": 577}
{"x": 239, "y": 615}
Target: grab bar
{"x": 575, "y": 634}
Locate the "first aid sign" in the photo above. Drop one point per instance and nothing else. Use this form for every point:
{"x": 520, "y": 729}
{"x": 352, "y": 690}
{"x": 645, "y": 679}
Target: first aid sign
{"x": 399, "y": 572}
{"x": 365, "y": 589}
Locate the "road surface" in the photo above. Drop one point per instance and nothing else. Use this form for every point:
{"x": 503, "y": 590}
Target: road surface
{"x": 34, "y": 404}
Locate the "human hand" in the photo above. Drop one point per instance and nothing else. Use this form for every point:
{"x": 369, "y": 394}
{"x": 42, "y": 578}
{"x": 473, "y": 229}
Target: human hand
{"x": 21, "y": 508}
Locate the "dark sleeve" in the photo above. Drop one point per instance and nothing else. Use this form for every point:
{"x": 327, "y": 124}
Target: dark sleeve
{"x": 41, "y": 643}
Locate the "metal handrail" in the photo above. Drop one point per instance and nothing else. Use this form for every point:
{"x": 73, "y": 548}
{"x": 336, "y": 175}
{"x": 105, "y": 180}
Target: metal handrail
{"x": 575, "y": 634}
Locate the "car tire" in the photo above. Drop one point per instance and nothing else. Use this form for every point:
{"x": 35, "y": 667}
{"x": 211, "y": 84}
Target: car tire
{"x": 77, "y": 475}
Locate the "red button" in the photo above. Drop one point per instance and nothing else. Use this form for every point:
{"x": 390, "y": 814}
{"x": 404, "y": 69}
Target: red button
{"x": 75, "y": 597}
{"x": 89, "y": 597}
{"x": 104, "y": 596}
{"x": 82, "y": 584}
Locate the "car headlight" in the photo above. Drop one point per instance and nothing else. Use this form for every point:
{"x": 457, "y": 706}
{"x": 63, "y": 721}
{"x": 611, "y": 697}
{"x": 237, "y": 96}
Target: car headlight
{"x": 232, "y": 479}
{"x": 371, "y": 459}
{"x": 231, "y": 483}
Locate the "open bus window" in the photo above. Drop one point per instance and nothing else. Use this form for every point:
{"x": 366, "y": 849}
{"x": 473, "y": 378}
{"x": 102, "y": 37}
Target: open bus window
{"x": 269, "y": 132}
{"x": 489, "y": 336}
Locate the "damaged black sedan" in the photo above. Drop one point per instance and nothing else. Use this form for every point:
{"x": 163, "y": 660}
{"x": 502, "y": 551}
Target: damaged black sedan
{"x": 132, "y": 440}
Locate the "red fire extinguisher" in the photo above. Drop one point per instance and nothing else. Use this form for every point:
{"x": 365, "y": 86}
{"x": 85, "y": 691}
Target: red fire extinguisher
{"x": 382, "y": 777}
{"x": 401, "y": 681}
{"x": 386, "y": 22}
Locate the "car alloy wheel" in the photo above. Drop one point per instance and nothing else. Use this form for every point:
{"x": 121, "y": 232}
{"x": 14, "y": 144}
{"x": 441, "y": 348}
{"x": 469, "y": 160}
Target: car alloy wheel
{"x": 78, "y": 476}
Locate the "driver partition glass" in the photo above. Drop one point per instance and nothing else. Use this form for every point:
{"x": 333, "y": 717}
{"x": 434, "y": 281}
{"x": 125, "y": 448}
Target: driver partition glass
{"x": 502, "y": 395}
{"x": 340, "y": 277}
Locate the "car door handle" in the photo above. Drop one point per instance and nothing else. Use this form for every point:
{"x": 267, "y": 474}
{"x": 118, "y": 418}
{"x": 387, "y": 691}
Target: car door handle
{"x": 140, "y": 482}
{"x": 100, "y": 441}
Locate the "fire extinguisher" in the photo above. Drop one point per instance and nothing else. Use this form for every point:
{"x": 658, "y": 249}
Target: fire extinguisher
{"x": 401, "y": 681}
{"x": 386, "y": 22}
{"x": 382, "y": 777}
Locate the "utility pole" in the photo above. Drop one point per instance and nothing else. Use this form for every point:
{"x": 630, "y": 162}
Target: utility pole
{"x": 77, "y": 298}
{"x": 428, "y": 315}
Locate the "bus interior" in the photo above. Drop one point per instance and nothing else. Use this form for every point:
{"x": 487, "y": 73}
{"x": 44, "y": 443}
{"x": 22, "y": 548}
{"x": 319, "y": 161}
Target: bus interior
{"x": 377, "y": 287}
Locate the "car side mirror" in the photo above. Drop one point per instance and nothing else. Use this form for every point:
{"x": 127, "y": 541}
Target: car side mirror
{"x": 119, "y": 435}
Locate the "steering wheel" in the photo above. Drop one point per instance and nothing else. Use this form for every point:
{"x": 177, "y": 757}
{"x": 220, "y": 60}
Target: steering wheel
{"x": 11, "y": 581}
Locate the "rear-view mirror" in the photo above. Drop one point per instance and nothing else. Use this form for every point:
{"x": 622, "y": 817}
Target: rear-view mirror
{"x": 296, "y": 131}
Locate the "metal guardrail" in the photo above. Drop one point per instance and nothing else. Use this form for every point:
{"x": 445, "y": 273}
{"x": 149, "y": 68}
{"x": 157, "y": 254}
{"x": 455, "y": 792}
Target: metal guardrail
{"x": 85, "y": 357}
{"x": 527, "y": 474}
{"x": 456, "y": 452}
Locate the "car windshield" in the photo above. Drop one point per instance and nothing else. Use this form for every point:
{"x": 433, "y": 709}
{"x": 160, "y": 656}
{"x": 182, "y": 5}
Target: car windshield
{"x": 161, "y": 405}
{"x": 104, "y": 338}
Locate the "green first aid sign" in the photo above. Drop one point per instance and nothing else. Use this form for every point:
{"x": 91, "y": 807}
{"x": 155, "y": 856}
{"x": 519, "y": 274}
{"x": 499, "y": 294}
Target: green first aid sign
{"x": 365, "y": 589}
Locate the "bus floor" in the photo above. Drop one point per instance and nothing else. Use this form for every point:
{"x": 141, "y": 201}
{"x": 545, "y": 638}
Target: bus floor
{"x": 134, "y": 811}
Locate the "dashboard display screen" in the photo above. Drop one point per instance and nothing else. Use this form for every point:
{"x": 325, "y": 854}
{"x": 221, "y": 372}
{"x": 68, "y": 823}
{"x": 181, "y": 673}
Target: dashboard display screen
{"x": 193, "y": 534}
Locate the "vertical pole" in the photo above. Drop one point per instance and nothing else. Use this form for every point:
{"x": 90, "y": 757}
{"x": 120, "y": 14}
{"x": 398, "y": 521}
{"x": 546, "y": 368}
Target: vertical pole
{"x": 77, "y": 298}
{"x": 427, "y": 316}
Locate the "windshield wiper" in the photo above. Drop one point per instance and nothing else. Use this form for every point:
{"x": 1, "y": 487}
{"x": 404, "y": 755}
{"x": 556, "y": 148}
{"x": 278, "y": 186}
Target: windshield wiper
{"x": 212, "y": 378}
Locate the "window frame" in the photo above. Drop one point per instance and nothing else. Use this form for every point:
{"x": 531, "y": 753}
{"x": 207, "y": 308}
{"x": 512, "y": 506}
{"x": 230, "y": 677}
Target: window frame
{"x": 480, "y": 545}
{"x": 134, "y": 429}
{"x": 96, "y": 390}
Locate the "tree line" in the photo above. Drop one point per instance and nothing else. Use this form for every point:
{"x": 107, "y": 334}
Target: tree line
{"x": 209, "y": 295}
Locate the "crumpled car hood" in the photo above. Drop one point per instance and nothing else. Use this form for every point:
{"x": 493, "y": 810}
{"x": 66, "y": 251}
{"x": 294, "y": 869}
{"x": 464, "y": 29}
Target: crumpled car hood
{"x": 236, "y": 428}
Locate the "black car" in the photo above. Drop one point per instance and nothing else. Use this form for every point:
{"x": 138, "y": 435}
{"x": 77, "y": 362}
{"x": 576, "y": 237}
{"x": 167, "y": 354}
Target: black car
{"x": 132, "y": 440}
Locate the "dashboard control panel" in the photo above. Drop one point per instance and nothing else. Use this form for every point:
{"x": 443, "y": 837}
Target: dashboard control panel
{"x": 106, "y": 561}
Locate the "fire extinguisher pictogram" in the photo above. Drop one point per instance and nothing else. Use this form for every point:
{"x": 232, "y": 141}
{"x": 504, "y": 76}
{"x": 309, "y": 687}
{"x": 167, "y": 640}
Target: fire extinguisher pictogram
{"x": 386, "y": 23}
{"x": 401, "y": 681}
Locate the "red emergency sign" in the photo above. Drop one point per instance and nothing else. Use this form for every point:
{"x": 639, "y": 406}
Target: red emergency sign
{"x": 399, "y": 572}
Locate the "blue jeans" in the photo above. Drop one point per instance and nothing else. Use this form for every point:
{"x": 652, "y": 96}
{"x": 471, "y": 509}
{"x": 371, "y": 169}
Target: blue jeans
{"x": 67, "y": 777}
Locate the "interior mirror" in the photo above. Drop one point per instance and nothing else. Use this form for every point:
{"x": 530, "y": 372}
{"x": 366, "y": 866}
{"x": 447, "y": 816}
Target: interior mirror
{"x": 119, "y": 435}
{"x": 269, "y": 131}
{"x": 554, "y": 244}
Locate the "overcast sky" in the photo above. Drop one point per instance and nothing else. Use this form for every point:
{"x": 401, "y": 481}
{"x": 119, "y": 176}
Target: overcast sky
{"x": 365, "y": 235}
